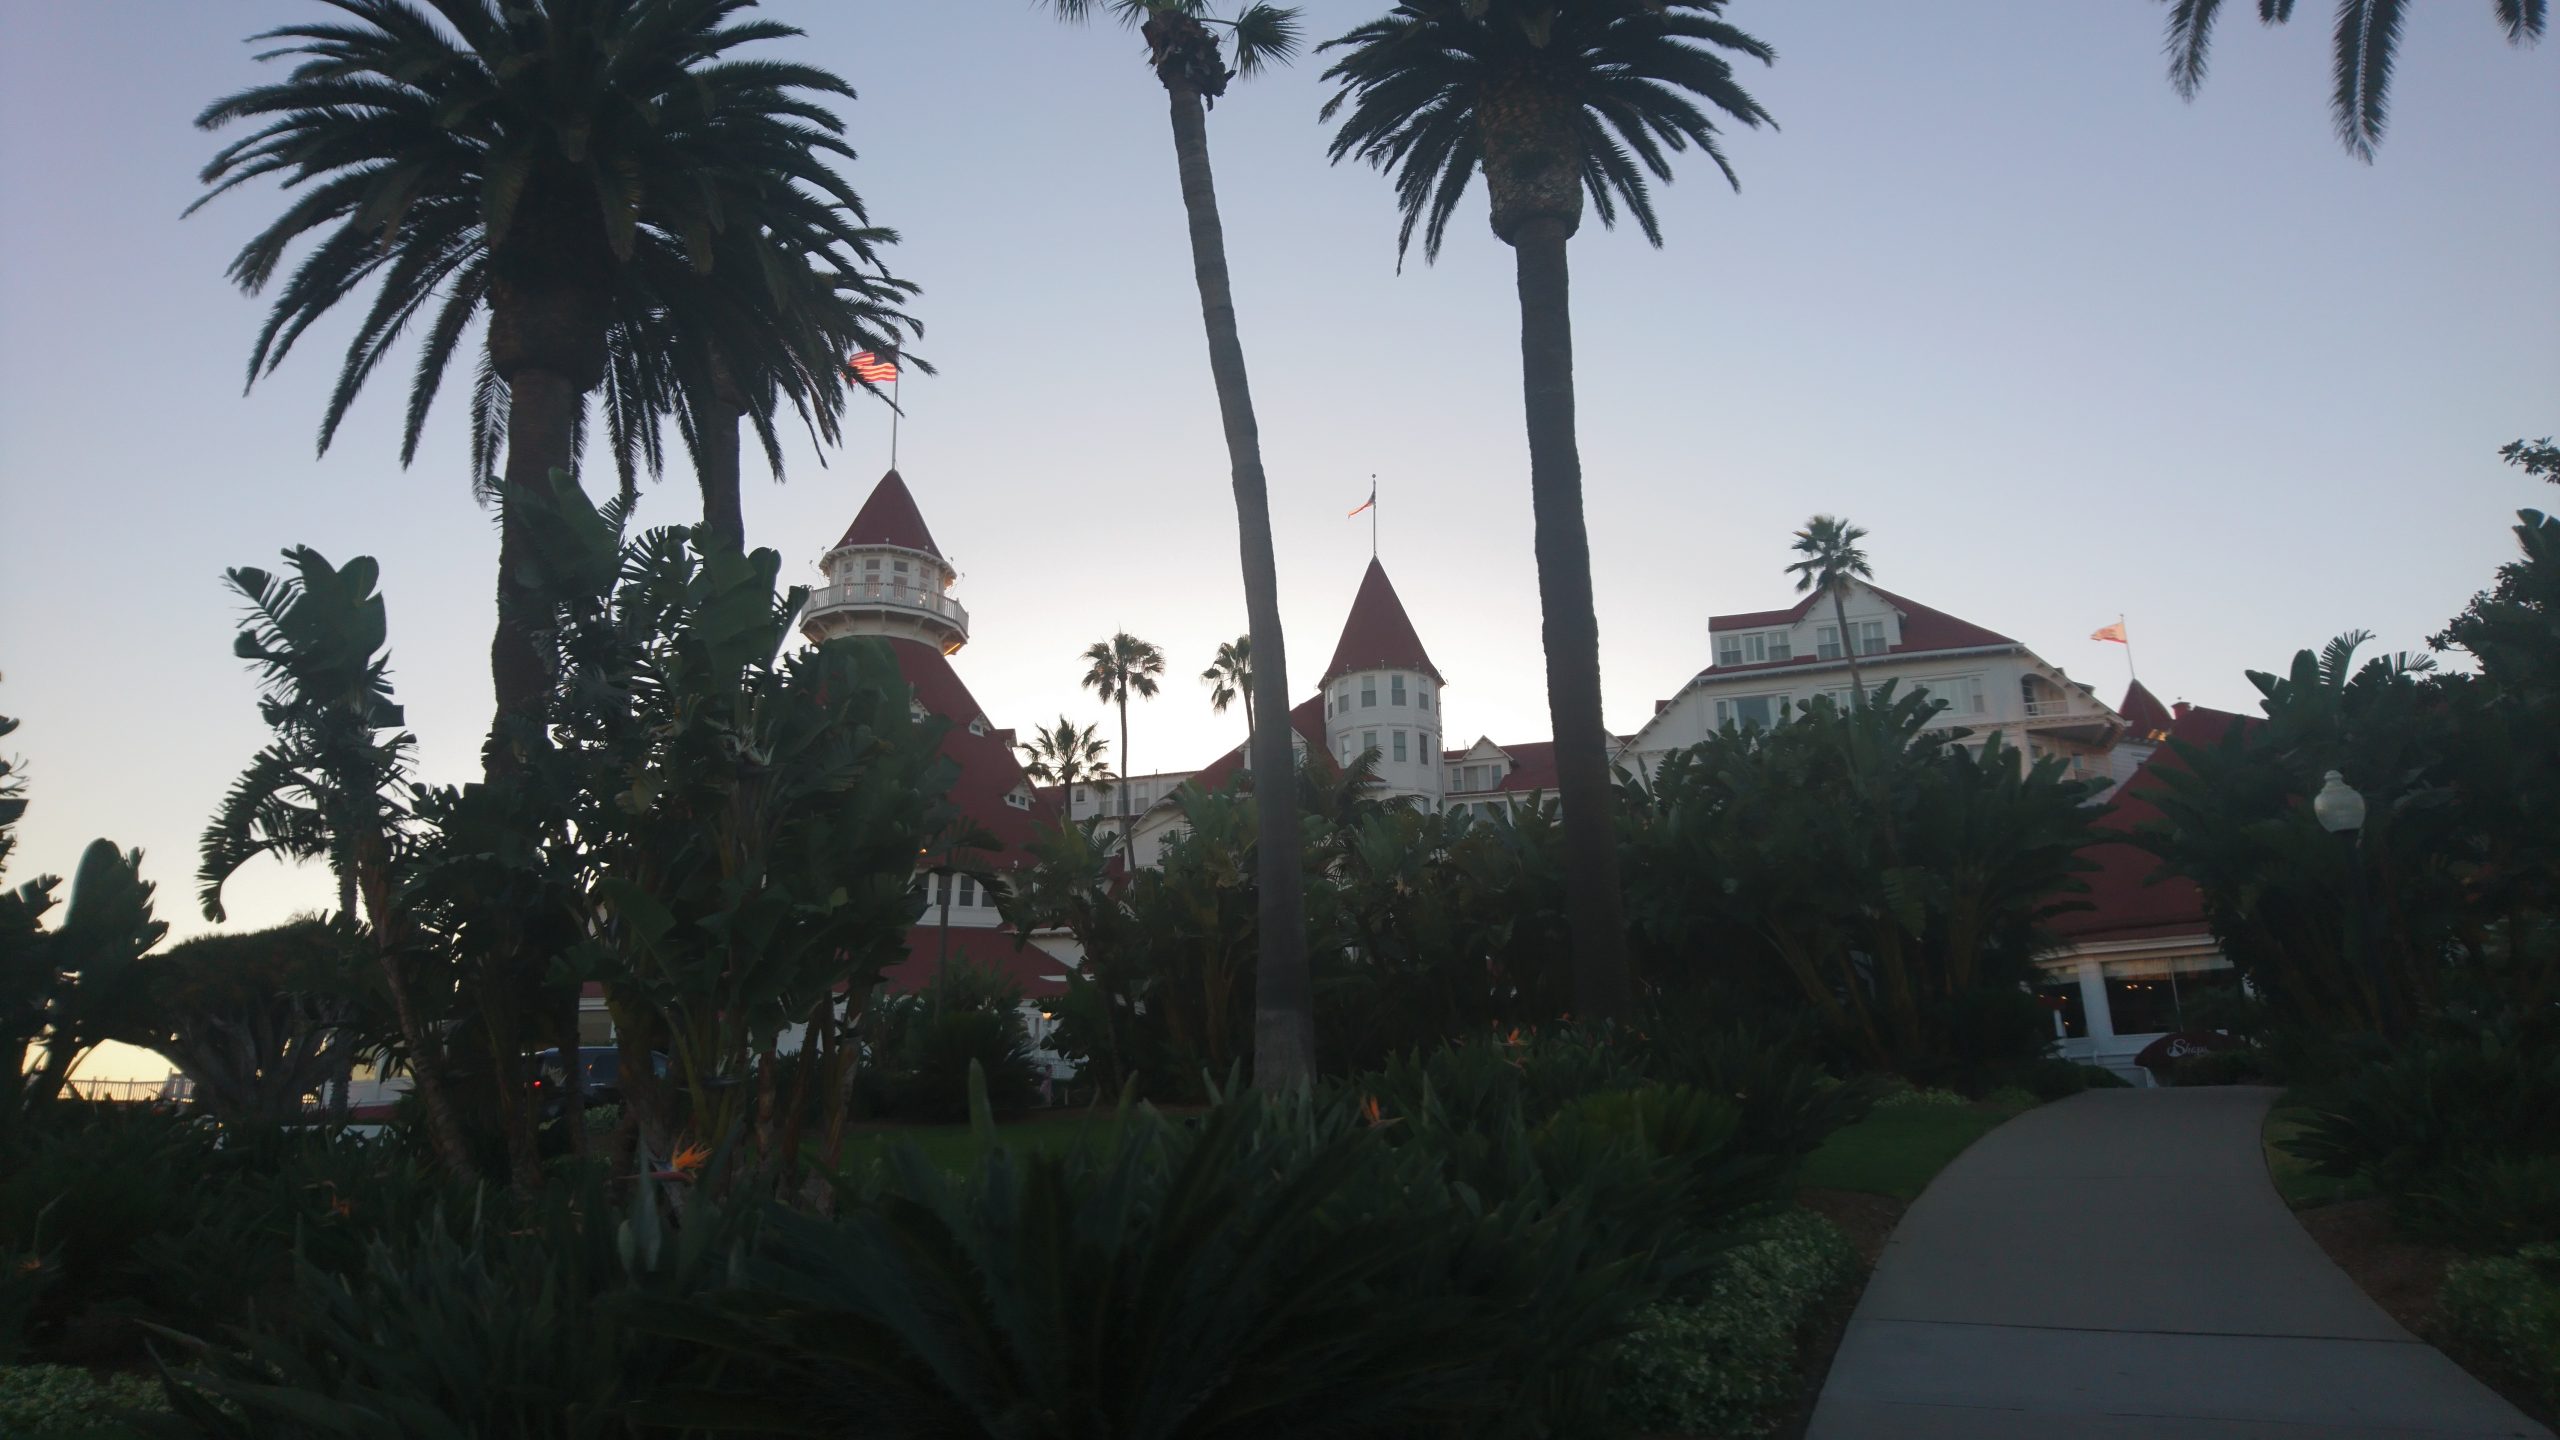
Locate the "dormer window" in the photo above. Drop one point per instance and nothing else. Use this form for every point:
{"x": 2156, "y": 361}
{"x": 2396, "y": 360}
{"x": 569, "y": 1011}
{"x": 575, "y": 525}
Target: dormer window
{"x": 1757, "y": 648}
{"x": 978, "y": 726}
{"x": 1018, "y": 798}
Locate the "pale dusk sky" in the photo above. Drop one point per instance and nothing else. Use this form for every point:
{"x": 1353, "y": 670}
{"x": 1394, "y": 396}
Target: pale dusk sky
{"x": 2065, "y": 345}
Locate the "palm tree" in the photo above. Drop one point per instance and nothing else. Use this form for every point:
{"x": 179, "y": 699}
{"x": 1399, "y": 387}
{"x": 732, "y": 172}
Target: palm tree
{"x": 330, "y": 784}
{"x": 462, "y": 167}
{"x": 1832, "y": 559}
{"x": 1230, "y": 678}
{"x": 1550, "y": 103}
{"x": 1065, "y": 754}
{"x": 1115, "y": 669}
{"x": 2367, "y": 46}
{"x": 1185, "y": 59}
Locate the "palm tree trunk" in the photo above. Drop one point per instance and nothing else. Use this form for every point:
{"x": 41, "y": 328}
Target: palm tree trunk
{"x": 1848, "y": 650}
{"x": 542, "y": 429}
{"x": 716, "y": 459}
{"x": 1284, "y": 1029}
{"x": 1603, "y": 987}
{"x": 1128, "y": 861}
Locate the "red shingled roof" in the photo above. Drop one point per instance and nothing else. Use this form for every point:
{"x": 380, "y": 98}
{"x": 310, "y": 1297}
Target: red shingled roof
{"x": 2145, "y": 717}
{"x": 2126, "y": 903}
{"x": 1923, "y": 630}
{"x": 989, "y": 768}
{"x": 1307, "y": 719}
{"x": 1038, "y": 973}
{"x": 890, "y": 517}
{"x": 1378, "y": 635}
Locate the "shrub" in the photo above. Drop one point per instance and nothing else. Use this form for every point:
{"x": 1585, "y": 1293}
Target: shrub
{"x": 2222, "y": 1067}
{"x": 59, "y": 1402}
{"x": 1896, "y": 1096}
{"x": 499, "y": 1321}
{"x": 2487, "y": 1202}
{"x": 920, "y": 1047}
{"x": 1277, "y": 1267}
{"x": 1720, "y": 1362}
{"x": 1789, "y": 1104}
{"x": 2455, "y": 1129}
{"x": 79, "y": 1195}
{"x": 2507, "y": 1309}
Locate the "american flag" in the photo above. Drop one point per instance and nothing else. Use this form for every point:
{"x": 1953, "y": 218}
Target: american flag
{"x": 874, "y": 369}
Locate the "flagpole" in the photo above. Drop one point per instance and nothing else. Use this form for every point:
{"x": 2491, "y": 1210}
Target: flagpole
{"x": 2129, "y": 672}
{"x": 898, "y": 373}
{"x": 1373, "y": 514}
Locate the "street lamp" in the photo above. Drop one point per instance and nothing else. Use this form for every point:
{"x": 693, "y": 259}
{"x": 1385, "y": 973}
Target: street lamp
{"x": 2340, "y": 811}
{"x": 2340, "y": 808}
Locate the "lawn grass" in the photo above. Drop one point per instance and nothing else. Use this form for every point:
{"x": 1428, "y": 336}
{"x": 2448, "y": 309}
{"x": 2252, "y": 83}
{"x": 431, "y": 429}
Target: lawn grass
{"x": 2294, "y": 1179}
{"x": 957, "y": 1148}
{"x": 1897, "y": 1149}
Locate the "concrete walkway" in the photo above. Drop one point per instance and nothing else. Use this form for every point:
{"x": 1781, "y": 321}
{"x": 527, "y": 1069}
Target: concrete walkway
{"x": 2118, "y": 1265}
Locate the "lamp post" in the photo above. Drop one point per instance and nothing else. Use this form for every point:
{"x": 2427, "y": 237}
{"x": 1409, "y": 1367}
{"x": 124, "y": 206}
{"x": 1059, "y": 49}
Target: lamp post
{"x": 2340, "y": 810}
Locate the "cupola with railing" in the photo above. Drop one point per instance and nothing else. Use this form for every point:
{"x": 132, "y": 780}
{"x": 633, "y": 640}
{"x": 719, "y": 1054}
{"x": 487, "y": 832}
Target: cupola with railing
{"x": 886, "y": 577}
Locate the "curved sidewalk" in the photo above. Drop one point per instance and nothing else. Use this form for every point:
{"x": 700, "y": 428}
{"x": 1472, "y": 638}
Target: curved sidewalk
{"x": 2118, "y": 1265}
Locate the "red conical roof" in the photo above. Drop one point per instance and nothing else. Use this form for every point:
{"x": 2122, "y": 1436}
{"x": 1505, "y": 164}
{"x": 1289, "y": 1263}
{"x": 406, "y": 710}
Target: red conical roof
{"x": 1378, "y": 636}
{"x": 890, "y": 517}
{"x": 2144, "y": 716}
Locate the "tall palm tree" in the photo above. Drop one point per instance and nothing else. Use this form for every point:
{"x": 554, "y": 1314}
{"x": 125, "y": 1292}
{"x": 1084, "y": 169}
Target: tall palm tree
{"x": 1183, "y": 54}
{"x": 1065, "y": 754}
{"x": 2367, "y": 45}
{"x": 1550, "y": 103}
{"x": 518, "y": 159}
{"x": 1230, "y": 678}
{"x": 331, "y": 783}
{"x": 1116, "y": 669}
{"x": 1832, "y": 559}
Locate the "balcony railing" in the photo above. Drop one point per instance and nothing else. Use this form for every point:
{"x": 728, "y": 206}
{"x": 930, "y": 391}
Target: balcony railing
{"x": 2045, "y": 709}
{"x": 864, "y": 595}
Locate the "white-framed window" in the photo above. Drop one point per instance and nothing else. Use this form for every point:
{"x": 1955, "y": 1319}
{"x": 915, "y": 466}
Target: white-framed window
{"x": 1826, "y": 642}
{"x": 1348, "y": 753}
{"x": 977, "y": 725}
{"x": 1764, "y": 711}
{"x": 1368, "y": 740}
{"x": 1395, "y": 689}
{"x": 1342, "y": 699}
{"x": 1870, "y": 635}
{"x": 1422, "y": 695}
{"x": 1368, "y": 692}
{"x": 1018, "y": 799}
{"x": 1756, "y": 648}
{"x": 1398, "y": 737}
{"x": 1964, "y": 696}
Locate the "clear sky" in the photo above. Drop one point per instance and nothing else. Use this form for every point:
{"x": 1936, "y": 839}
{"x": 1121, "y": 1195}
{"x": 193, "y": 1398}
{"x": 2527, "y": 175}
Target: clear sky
{"x": 2065, "y": 345}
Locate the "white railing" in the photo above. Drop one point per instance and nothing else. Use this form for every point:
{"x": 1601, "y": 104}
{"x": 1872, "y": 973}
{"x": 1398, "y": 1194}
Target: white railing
{"x": 2043, "y": 709}
{"x": 866, "y": 594}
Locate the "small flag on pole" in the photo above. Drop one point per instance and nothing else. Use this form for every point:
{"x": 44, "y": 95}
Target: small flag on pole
{"x": 874, "y": 369}
{"x": 2113, "y": 632}
{"x": 1368, "y": 503}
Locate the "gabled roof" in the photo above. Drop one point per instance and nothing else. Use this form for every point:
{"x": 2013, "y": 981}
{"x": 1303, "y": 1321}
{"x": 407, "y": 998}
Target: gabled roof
{"x": 989, "y": 768}
{"x": 1307, "y": 719}
{"x": 2145, "y": 718}
{"x": 1378, "y": 635}
{"x": 1036, "y": 972}
{"x": 890, "y": 517}
{"x": 2125, "y": 901}
{"x": 1923, "y": 630}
